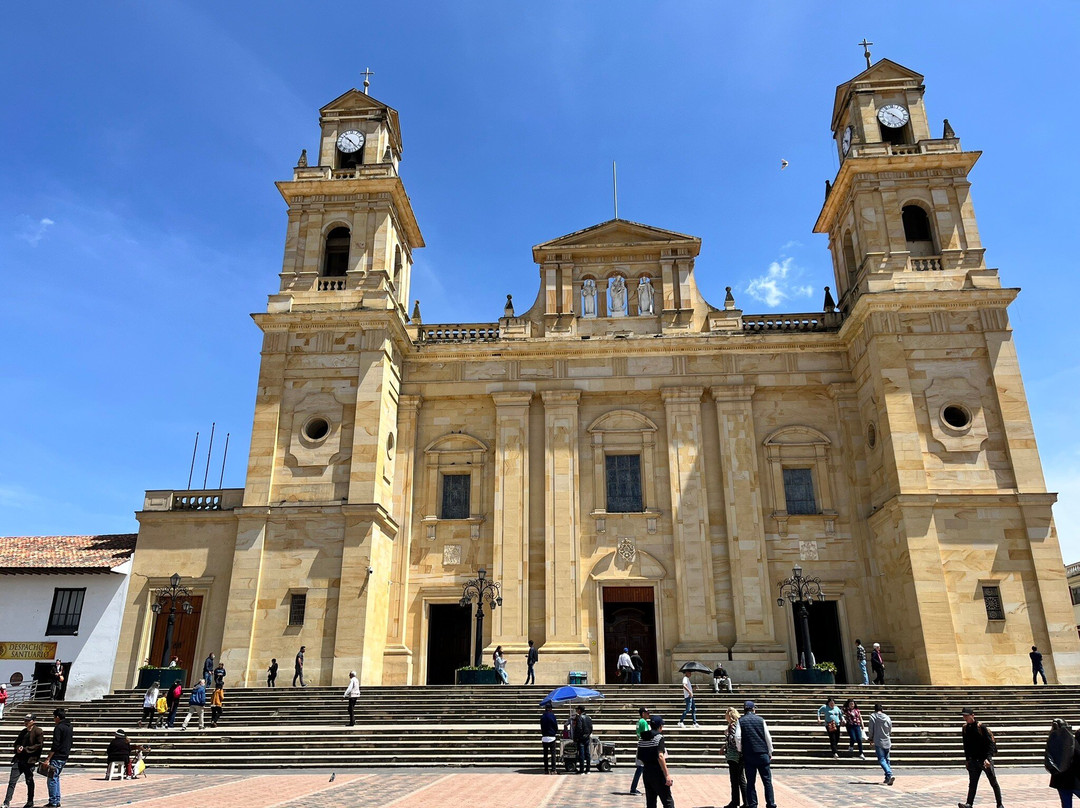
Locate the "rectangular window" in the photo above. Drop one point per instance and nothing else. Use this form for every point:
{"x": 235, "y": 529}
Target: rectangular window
{"x": 1075, "y": 592}
{"x": 297, "y": 609}
{"x": 455, "y": 496}
{"x": 623, "y": 483}
{"x": 992, "y": 601}
{"x": 66, "y": 611}
{"x": 799, "y": 491}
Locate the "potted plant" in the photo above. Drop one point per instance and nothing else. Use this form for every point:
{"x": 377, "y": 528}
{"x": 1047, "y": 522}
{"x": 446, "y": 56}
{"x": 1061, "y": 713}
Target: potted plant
{"x": 823, "y": 673}
{"x": 476, "y": 675}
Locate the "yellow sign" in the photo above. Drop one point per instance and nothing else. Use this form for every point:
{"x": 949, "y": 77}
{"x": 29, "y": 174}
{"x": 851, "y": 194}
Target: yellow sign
{"x": 27, "y": 650}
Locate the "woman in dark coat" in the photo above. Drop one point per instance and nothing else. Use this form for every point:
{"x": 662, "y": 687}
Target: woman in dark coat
{"x": 1067, "y": 783}
{"x": 120, "y": 751}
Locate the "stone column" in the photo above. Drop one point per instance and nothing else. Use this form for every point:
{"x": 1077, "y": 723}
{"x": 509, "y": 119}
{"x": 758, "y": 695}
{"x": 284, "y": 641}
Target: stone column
{"x": 750, "y": 585}
{"x": 694, "y": 585}
{"x": 398, "y": 666}
{"x": 563, "y": 577}
{"x": 510, "y": 622}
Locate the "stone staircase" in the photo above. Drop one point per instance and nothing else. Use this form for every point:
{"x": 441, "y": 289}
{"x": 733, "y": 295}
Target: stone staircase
{"x": 499, "y": 726}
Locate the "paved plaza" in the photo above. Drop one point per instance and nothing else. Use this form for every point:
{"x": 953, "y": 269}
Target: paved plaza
{"x": 834, "y": 788}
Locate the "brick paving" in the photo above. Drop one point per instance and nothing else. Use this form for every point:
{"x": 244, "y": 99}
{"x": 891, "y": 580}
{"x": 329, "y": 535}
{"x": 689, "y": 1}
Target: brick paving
{"x": 457, "y": 788}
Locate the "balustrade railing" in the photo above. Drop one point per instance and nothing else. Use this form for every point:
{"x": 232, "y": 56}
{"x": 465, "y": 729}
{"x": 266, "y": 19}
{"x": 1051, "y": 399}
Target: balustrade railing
{"x": 331, "y": 284}
{"x": 929, "y": 263}
{"x": 790, "y": 322}
{"x": 459, "y": 332}
{"x": 196, "y": 501}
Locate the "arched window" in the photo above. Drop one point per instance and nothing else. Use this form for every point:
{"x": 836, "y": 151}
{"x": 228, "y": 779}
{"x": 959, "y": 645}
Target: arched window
{"x": 917, "y": 232}
{"x": 849, "y": 254}
{"x": 336, "y": 258}
{"x": 397, "y": 268}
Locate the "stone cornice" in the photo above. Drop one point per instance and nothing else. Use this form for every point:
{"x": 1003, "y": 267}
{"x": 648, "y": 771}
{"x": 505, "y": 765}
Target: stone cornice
{"x": 512, "y": 398}
{"x": 561, "y": 397}
{"x": 906, "y": 301}
{"x": 732, "y": 392}
{"x": 681, "y": 394}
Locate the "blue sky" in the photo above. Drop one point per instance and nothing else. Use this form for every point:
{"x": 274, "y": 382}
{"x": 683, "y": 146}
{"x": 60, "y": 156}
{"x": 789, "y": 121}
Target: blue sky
{"x": 139, "y": 225}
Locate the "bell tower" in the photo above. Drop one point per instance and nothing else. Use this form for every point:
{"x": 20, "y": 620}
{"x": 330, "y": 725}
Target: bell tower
{"x": 899, "y": 213}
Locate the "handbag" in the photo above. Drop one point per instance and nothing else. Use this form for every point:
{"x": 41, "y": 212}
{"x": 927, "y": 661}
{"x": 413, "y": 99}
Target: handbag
{"x": 44, "y": 769}
{"x": 832, "y": 726}
{"x": 865, "y": 735}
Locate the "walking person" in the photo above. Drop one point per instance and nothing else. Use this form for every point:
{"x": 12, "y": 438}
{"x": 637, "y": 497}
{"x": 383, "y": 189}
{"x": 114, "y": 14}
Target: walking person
{"x": 149, "y": 704}
{"x": 549, "y": 734}
{"x": 583, "y": 728}
{"x": 57, "y": 687}
{"x": 860, "y": 655}
{"x": 878, "y": 664}
{"x": 271, "y": 674}
{"x": 736, "y": 772}
{"x": 27, "y": 748}
{"x": 1062, "y": 760}
{"x": 641, "y": 728}
{"x": 498, "y": 661}
{"x": 829, "y": 715}
{"x": 754, "y": 742}
{"x": 352, "y": 693}
{"x": 1036, "y": 666}
{"x": 624, "y": 667}
{"x": 639, "y": 666}
{"x": 688, "y": 699}
{"x": 298, "y": 667}
{"x": 208, "y": 670}
{"x": 3, "y": 700}
{"x": 720, "y": 678}
{"x": 979, "y": 750}
{"x": 654, "y": 771}
{"x": 853, "y": 723}
{"x": 196, "y": 705}
{"x": 217, "y": 705}
{"x": 879, "y": 731}
{"x": 58, "y": 755}
{"x": 531, "y": 659}
{"x": 172, "y": 699}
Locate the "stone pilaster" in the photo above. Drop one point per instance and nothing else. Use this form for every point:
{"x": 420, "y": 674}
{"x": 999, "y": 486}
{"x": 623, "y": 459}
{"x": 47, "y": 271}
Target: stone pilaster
{"x": 755, "y": 629}
{"x": 510, "y": 622}
{"x": 244, "y": 585}
{"x": 563, "y": 578}
{"x": 694, "y": 589}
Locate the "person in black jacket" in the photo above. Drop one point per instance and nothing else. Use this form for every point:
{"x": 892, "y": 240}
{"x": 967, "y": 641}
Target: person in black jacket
{"x": 979, "y": 749}
{"x": 549, "y": 737}
{"x": 583, "y": 739}
{"x": 27, "y": 748}
{"x": 58, "y": 755}
{"x": 530, "y": 660}
{"x": 120, "y": 751}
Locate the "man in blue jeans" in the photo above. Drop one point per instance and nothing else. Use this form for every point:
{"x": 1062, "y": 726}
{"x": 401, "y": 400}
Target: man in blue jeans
{"x": 688, "y": 699}
{"x": 58, "y": 755}
{"x": 754, "y": 742}
{"x": 860, "y": 655}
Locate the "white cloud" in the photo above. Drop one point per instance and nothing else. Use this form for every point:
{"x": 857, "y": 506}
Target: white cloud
{"x": 778, "y": 284}
{"x": 32, "y": 232}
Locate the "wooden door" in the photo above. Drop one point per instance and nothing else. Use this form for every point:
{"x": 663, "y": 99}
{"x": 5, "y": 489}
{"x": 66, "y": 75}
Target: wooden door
{"x": 185, "y": 635}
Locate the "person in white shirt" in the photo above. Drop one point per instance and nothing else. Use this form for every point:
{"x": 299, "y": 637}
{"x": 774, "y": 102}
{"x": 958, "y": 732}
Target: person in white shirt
{"x": 352, "y": 693}
{"x": 625, "y": 666}
{"x": 688, "y": 699}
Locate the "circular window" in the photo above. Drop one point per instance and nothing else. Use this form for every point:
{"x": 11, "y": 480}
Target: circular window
{"x": 956, "y": 416}
{"x": 871, "y": 436}
{"x": 316, "y": 429}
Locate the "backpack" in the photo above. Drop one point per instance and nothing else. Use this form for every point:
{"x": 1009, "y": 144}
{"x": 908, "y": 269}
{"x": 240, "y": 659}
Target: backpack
{"x": 1060, "y": 748}
{"x": 991, "y": 741}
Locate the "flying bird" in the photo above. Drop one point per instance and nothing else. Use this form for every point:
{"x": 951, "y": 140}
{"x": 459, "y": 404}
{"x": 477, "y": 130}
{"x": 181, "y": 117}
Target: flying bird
{"x": 783, "y": 164}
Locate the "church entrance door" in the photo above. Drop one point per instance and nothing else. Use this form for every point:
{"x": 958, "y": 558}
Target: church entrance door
{"x": 449, "y": 631}
{"x": 185, "y": 635}
{"x": 825, "y": 638}
{"x": 629, "y": 622}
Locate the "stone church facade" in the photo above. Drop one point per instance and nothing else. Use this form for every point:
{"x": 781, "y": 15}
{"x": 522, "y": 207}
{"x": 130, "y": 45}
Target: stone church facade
{"x": 633, "y": 465}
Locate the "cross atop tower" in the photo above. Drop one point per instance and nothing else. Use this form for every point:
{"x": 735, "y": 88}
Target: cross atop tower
{"x": 865, "y": 46}
{"x": 368, "y": 73}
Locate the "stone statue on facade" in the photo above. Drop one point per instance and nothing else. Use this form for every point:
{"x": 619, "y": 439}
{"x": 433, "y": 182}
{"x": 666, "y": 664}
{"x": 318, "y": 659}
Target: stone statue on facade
{"x": 645, "y": 296}
{"x": 588, "y": 298}
{"x": 618, "y": 296}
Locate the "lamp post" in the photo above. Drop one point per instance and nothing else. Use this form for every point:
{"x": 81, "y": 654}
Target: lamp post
{"x": 476, "y": 591}
{"x": 167, "y": 596}
{"x": 801, "y": 593}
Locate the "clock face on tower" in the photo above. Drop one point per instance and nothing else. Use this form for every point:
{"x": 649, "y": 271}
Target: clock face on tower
{"x": 893, "y": 116}
{"x": 351, "y": 141}
{"x": 845, "y": 143}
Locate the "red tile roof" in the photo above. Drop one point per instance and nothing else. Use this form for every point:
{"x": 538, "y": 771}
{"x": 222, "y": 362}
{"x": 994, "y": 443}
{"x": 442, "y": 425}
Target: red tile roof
{"x": 65, "y": 554}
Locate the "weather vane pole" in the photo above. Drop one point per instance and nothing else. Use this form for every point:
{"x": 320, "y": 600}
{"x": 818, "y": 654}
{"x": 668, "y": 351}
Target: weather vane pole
{"x": 866, "y": 50}
{"x": 368, "y": 73}
{"x": 615, "y": 189}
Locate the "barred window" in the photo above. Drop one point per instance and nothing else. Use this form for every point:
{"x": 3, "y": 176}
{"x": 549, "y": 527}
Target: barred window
{"x": 799, "y": 491}
{"x": 297, "y": 609}
{"x": 66, "y": 611}
{"x": 992, "y": 600}
{"x": 623, "y": 483}
{"x": 455, "y": 496}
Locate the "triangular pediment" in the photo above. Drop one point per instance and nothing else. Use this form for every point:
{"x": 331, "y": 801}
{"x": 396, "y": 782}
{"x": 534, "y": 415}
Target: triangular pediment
{"x": 361, "y": 104}
{"x": 617, "y": 233}
{"x": 884, "y": 72}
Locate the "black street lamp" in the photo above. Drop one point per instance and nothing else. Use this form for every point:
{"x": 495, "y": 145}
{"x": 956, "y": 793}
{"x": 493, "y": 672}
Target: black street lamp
{"x": 801, "y": 592}
{"x": 168, "y": 596}
{"x": 476, "y": 591}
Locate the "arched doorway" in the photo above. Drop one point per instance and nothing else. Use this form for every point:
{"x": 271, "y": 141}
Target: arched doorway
{"x": 629, "y": 622}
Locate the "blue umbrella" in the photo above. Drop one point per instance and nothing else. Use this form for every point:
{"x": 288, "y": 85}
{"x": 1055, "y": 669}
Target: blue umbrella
{"x": 569, "y": 694}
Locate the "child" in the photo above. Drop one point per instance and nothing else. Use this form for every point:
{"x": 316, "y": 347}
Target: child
{"x": 215, "y": 705}
{"x": 271, "y": 674}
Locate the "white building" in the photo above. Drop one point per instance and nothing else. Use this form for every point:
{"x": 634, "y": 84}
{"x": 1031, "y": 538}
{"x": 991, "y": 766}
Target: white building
{"x": 62, "y": 597}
